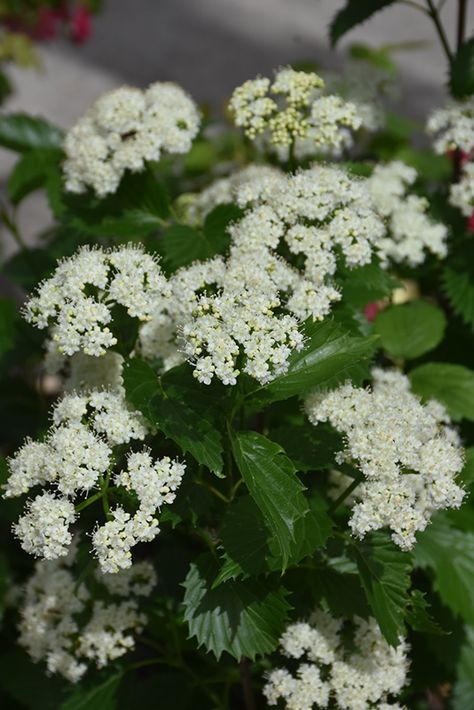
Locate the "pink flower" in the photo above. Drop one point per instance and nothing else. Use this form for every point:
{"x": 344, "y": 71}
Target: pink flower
{"x": 372, "y": 309}
{"x": 81, "y": 25}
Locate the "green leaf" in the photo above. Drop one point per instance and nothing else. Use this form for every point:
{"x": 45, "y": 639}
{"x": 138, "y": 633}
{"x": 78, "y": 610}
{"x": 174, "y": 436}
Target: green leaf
{"x": 461, "y": 71}
{"x": 27, "y": 683}
{"x": 410, "y": 330}
{"x": 244, "y": 618}
{"x": 31, "y": 172}
{"x": 100, "y": 697}
{"x": 418, "y": 617}
{"x": 216, "y": 223}
{"x": 251, "y": 550}
{"x": 354, "y": 13}
{"x": 463, "y": 697}
{"x": 367, "y": 283}
{"x": 385, "y": 575}
{"x": 271, "y": 479}
{"x": 8, "y": 321}
{"x": 311, "y": 448}
{"x": 452, "y": 385}
{"x": 168, "y": 407}
{"x": 450, "y": 554}
{"x": 378, "y": 57}
{"x": 329, "y": 356}
{"x": 429, "y": 165}
{"x": 28, "y": 267}
{"x": 342, "y": 592}
{"x": 459, "y": 288}
{"x": 21, "y": 132}
{"x": 467, "y": 474}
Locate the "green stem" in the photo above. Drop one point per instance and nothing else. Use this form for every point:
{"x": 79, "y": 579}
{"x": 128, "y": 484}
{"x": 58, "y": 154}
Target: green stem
{"x": 433, "y": 13}
{"x": 462, "y": 19}
{"x": 86, "y": 503}
{"x": 345, "y": 494}
{"x": 13, "y": 229}
{"x": 291, "y": 157}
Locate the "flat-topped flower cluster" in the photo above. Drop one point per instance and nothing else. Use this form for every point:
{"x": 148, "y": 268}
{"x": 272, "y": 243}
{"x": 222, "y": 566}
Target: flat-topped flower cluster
{"x": 331, "y": 675}
{"x": 407, "y": 453}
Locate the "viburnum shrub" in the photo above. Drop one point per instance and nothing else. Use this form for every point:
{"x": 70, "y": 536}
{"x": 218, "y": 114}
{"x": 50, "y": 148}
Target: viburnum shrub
{"x": 237, "y": 403}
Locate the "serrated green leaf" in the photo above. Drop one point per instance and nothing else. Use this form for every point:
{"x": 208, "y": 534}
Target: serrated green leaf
{"x": 329, "y": 356}
{"x": 463, "y": 696}
{"x": 271, "y": 479}
{"x": 32, "y": 172}
{"x": 216, "y": 223}
{"x": 100, "y": 697}
{"x": 367, "y": 283}
{"x": 21, "y": 132}
{"x": 418, "y": 617}
{"x": 168, "y": 407}
{"x": 461, "y": 71}
{"x": 342, "y": 592}
{"x": 243, "y": 618}
{"x": 8, "y": 320}
{"x": 459, "y": 288}
{"x": 251, "y": 550}
{"x": 450, "y": 554}
{"x": 354, "y": 13}
{"x": 452, "y": 385}
{"x": 385, "y": 575}
{"x": 411, "y": 329}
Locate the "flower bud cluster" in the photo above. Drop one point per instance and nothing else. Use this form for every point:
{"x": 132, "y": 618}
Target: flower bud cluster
{"x": 411, "y": 232}
{"x": 293, "y": 108}
{"x": 123, "y": 130}
{"x": 407, "y": 453}
{"x": 367, "y": 675}
{"x": 67, "y": 627}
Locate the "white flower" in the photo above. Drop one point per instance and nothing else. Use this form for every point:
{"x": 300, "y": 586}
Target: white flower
{"x": 126, "y": 276}
{"x": 453, "y": 126}
{"x": 44, "y": 529}
{"x": 364, "y": 675}
{"x": 461, "y": 194}
{"x": 123, "y": 130}
{"x": 64, "y": 626}
{"x": 412, "y": 232}
{"x": 407, "y": 453}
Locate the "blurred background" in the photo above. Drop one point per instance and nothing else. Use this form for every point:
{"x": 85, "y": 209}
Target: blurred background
{"x": 209, "y": 47}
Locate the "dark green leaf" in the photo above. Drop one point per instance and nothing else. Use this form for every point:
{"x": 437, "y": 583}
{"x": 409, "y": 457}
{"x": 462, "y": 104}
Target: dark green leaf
{"x": 459, "y": 288}
{"x": 342, "y": 592}
{"x": 461, "y": 71}
{"x": 410, "y": 330}
{"x": 452, "y": 385}
{"x": 216, "y": 223}
{"x": 28, "y": 267}
{"x": 21, "y": 132}
{"x": 354, "y": 13}
{"x": 250, "y": 548}
{"x": 464, "y": 687}
{"x": 467, "y": 474}
{"x": 27, "y": 682}
{"x": 385, "y": 575}
{"x": 310, "y": 448}
{"x": 418, "y": 617}
{"x": 367, "y": 283}
{"x": 450, "y": 554}
{"x": 32, "y": 172}
{"x": 244, "y": 618}
{"x": 100, "y": 697}
{"x": 330, "y": 355}
{"x": 271, "y": 479}
{"x": 8, "y": 319}
{"x": 169, "y": 408}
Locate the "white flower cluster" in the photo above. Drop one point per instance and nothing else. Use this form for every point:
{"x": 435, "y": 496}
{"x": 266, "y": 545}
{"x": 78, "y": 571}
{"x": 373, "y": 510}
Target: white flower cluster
{"x": 123, "y": 130}
{"x": 412, "y": 232}
{"x": 62, "y": 624}
{"x": 407, "y": 452}
{"x": 453, "y": 126}
{"x": 78, "y": 299}
{"x": 293, "y": 108}
{"x": 154, "y": 483}
{"x": 329, "y": 675}
{"x": 242, "y": 313}
{"x": 75, "y": 458}
{"x": 461, "y": 194}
